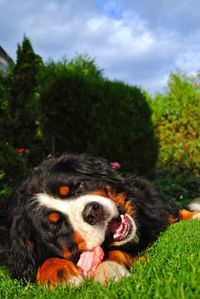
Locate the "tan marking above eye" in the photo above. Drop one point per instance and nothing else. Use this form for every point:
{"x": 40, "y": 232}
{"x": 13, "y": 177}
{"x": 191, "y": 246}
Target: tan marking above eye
{"x": 54, "y": 217}
{"x": 64, "y": 190}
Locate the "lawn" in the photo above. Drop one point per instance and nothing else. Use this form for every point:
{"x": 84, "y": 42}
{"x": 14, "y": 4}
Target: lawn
{"x": 171, "y": 269}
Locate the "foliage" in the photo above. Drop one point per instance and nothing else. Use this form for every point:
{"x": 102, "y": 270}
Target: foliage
{"x": 66, "y": 103}
{"x": 4, "y": 120}
{"x": 14, "y": 168}
{"x": 179, "y": 188}
{"x": 85, "y": 65}
{"x": 70, "y": 106}
{"x": 23, "y": 106}
{"x": 83, "y": 112}
{"x": 176, "y": 116}
{"x": 123, "y": 129}
{"x": 18, "y": 117}
{"x": 170, "y": 269}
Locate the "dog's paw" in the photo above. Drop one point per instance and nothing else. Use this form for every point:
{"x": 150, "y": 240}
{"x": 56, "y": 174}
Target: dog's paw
{"x": 55, "y": 271}
{"x": 195, "y": 208}
{"x": 110, "y": 271}
{"x": 196, "y": 216}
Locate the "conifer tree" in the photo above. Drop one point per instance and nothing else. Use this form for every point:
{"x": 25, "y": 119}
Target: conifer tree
{"x": 22, "y": 102}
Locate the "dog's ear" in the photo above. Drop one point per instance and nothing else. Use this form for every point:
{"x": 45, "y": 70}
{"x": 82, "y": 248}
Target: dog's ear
{"x": 22, "y": 260}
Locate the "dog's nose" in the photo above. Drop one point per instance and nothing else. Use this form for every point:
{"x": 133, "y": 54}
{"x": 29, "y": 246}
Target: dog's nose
{"x": 93, "y": 213}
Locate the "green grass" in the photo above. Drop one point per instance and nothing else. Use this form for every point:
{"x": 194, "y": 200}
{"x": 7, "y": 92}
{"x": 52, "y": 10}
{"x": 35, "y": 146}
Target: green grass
{"x": 171, "y": 270}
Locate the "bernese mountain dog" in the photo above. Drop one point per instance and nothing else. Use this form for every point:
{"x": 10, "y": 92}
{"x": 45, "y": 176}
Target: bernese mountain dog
{"x": 76, "y": 217}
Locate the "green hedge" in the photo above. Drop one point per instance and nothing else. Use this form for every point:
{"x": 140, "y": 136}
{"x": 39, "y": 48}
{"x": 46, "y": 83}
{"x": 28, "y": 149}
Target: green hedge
{"x": 123, "y": 128}
{"x": 84, "y": 113}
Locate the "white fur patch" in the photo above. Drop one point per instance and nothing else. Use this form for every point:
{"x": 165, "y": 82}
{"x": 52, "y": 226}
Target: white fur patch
{"x": 94, "y": 235}
{"x": 194, "y": 206}
{"x": 196, "y": 216}
{"x": 74, "y": 281}
{"x": 110, "y": 271}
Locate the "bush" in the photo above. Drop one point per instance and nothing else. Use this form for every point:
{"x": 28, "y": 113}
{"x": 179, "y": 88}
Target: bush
{"x": 176, "y": 117}
{"x": 13, "y": 169}
{"x": 66, "y": 97}
{"x": 81, "y": 112}
{"x": 123, "y": 129}
{"x": 179, "y": 188}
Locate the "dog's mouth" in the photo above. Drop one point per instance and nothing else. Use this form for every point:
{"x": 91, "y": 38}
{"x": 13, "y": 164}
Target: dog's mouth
{"x": 120, "y": 228}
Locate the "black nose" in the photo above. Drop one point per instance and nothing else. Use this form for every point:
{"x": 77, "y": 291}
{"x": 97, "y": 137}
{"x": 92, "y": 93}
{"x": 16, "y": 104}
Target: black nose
{"x": 93, "y": 213}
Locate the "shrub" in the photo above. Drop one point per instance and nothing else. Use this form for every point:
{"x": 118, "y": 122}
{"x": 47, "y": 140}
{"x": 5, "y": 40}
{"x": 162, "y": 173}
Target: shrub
{"x": 123, "y": 130}
{"x": 13, "y": 169}
{"x": 176, "y": 117}
{"x": 83, "y": 112}
{"x": 66, "y": 97}
{"x": 179, "y": 188}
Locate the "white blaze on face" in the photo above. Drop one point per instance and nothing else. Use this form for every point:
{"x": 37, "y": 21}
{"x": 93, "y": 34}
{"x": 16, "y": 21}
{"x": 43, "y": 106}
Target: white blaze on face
{"x": 93, "y": 235}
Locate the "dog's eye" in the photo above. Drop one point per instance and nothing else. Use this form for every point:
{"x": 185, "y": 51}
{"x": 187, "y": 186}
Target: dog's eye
{"x": 64, "y": 191}
{"x": 79, "y": 189}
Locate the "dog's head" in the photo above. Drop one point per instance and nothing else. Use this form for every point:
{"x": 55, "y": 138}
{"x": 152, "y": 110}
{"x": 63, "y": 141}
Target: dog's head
{"x": 69, "y": 205}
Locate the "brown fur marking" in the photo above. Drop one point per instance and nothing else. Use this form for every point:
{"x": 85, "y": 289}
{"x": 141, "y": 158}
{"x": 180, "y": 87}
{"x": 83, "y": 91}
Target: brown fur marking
{"x": 56, "y": 271}
{"x": 64, "y": 191}
{"x": 66, "y": 253}
{"x": 54, "y": 217}
{"x": 77, "y": 238}
{"x": 185, "y": 214}
{"x": 118, "y": 198}
{"x": 172, "y": 219}
{"x": 121, "y": 258}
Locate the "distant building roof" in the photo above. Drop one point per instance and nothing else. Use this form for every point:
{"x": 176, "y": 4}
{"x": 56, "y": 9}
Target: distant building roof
{"x": 4, "y": 54}
{"x": 5, "y": 60}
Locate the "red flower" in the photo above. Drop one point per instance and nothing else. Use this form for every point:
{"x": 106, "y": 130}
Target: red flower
{"x": 21, "y": 150}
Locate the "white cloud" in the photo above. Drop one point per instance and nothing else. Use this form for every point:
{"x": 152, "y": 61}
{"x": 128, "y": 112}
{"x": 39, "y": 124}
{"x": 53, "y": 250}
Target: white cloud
{"x": 139, "y": 42}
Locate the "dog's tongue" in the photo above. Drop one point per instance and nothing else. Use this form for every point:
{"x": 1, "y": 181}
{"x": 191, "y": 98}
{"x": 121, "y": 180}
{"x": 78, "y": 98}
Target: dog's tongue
{"x": 90, "y": 260}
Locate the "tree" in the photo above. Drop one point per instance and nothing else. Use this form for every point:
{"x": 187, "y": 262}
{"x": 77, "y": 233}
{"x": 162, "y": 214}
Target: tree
{"x": 85, "y": 65}
{"x": 23, "y": 106}
{"x": 4, "y": 120}
{"x": 177, "y": 118}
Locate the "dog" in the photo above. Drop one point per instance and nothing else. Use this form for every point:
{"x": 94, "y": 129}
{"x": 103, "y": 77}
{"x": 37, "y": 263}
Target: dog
{"x": 76, "y": 217}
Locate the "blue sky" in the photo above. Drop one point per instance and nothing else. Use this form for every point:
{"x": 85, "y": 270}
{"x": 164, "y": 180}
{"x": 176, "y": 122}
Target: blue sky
{"x": 136, "y": 41}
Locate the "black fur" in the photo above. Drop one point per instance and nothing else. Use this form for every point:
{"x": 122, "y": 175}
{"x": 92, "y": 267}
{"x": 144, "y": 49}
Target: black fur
{"x": 30, "y": 239}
